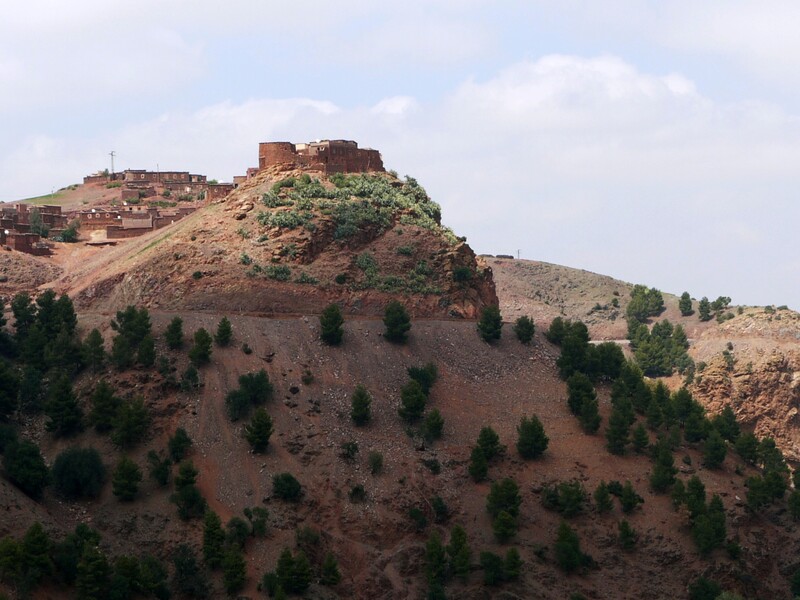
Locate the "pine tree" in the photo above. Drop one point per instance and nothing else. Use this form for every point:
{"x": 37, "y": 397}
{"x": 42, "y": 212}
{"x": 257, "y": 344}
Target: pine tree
{"x": 617, "y": 432}
{"x": 512, "y": 565}
{"x": 695, "y": 497}
{"x": 459, "y": 553}
{"x": 627, "y": 535}
{"x": 12, "y": 562}
{"x": 640, "y": 439}
{"x": 504, "y": 496}
{"x": 397, "y": 322}
{"x": 329, "y": 573}
{"x": 146, "y": 353}
{"x": 489, "y": 442}
{"x": 213, "y": 540}
{"x": 130, "y": 423}
{"x": 678, "y": 494}
{"x": 725, "y": 422}
{"x": 663, "y": 475}
{"x": 224, "y": 333}
{"x": 714, "y": 450}
{"x": 602, "y": 498}
{"x": 425, "y": 376}
{"x": 490, "y": 324}
{"x": 696, "y": 427}
{"x": 300, "y": 578}
{"x": 412, "y": 402}
{"x": 284, "y": 568}
{"x": 579, "y": 391}
{"x": 524, "y": 329}
{"x": 567, "y": 549}
{"x": 331, "y": 321}
{"x": 704, "y": 308}
{"x": 200, "y": 352}
{"x": 94, "y": 353}
{"x": 188, "y": 578}
{"x": 492, "y": 565}
{"x": 590, "y": 415}
{"x": 360, "y": 402}
{"x": 654, "y": 415}
{"x": 179, "y": 444}
{"x": 122, "y": 352}
{"x": 35, "y": 549}
{"x": 433, "y": 425}
{"x": 126, "y": 479}
{"x": 435, "y": 560}
{"x": 234, "y": 570}
{"x": 685, "y": 304}
{"x": 532, "y": 440}
{"x": 629, "y": 499}
{"x": 25, "y": 467}
{"x": 9, "y": 388}
{"x": 24, "y": 311}
{"x": 174, "y": 334}
{"x": 94, "y": 574}
{"x": 504, "y": 526}
{"x": 478, "y": 465}
{"x": 747, "y": 447}
{"x": 63, "y": 410}
{"x": 259, "y": 430}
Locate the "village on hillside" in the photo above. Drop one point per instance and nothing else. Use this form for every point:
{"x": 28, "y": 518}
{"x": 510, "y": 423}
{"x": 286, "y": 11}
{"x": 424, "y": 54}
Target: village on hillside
{"x": 145, "y": 201}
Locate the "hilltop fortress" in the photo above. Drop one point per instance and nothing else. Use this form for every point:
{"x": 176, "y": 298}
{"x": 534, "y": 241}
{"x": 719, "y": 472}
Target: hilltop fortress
{"x": 326, "y": 156}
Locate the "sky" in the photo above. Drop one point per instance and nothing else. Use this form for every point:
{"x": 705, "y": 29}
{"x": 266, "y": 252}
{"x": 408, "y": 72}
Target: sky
{"x": 654, "y": 141}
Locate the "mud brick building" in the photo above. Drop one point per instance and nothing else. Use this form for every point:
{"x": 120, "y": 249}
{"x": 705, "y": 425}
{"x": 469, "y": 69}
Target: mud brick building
{"x": 30, "y": 243}
{"x": 219, "y": 190}
{"x": 326, "y": 156}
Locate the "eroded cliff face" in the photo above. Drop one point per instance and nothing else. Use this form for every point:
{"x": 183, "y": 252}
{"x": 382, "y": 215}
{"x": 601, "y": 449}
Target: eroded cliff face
{"x": 753, "y": 364}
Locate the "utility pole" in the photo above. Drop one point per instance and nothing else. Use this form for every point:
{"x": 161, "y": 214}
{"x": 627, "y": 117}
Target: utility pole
{"x": 112, "y": 154}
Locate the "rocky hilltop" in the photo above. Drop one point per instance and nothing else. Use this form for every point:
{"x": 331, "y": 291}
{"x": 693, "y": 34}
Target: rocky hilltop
{"x": 288, "y": 241}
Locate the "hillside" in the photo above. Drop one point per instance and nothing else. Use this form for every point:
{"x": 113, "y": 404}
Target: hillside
{"x": 760, "y": 380}
{"x": 379, "y": 550}
{"x": 294, "y": 249}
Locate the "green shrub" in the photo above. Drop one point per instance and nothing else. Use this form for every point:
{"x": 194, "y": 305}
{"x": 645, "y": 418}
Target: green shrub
{"x": 126, "y": 478}
{"x": 179, "y": 444}
{"x": 462, "y": 274}
{"x": 278, "y": 272}
{"x": 360, "y": 402}
{"x": 524, "y": 329}
{"x": 375, "y": 460}
{"x": 490, "y": 324}
{"x": 78, "y": 473}
{"x": 25, "y": 467}
{"x": 286, "y": 487}
{"x": 397, "y": 322}
{"x": 568, "y": 498}
{"x": 331, "y": 321}
{"x": 307, "y": 279}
